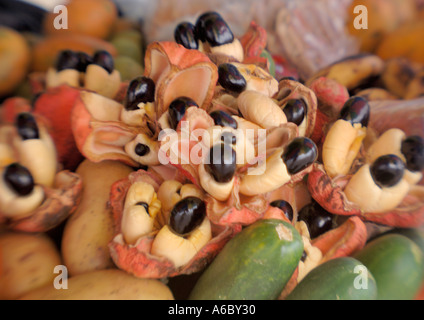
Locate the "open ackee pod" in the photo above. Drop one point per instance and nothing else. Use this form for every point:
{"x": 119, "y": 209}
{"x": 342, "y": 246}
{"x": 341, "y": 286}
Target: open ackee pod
{"x": 61, "y": 200}
{"x": 348, "y": 237}
{"x": 329, "y": 194}
{"x": 178, "y": 72}
{"x": 36, "y": 193}
{"x": 289, "y": 89}
{"x": 137, "y": 258}
{"x": 98, "y": 130}
{"x": 105, "y": 129}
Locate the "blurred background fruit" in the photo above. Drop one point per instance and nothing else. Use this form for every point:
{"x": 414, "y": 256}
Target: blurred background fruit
{"x": 93, "y": 18}
{"x": 14, "y": 59}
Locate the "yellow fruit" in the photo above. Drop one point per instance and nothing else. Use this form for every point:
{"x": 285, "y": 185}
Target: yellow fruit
{"x": 407, "y": 42}
{"x": 28, "y": 262}
{"x": 384, "y": 16}
{"x": 15, "y": 57}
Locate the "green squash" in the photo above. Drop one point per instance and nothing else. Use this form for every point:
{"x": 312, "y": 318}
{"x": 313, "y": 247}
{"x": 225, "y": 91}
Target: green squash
{"x": 254, "y": 265}
{"x": 397, "y": 264}
{"x": 342, "y": 278}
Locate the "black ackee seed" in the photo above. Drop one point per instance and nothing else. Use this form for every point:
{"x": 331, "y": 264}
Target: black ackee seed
{"x": 211, "y": 27}
{"x": 144, "y": 204}
{"x": 304, "y": 256}
{"x": 295, "y": 111}
{"x": 19, "y": 179}
{"x": 141, "y": 149}
{"x": 177, "y": 109}
{"x": 289, "y": 78}
{"x": 67, "y": 59}
{"x": 317, "y": 219}
{"x": 387, "y": 170}
{"x": 104, "y": 59}
{"x": 413, "y": 150}
{"x": 221, "y": 163}
{"x": 140, "y": 90}
{"x": 299, "y": 154}
{"x": 356, "y": 110}
{"x": 83, "y": 61}
{"x": 223, "y": 119}
{"x": 229, "y": 138}
{"x": 285, "y": 207}
{"x": 230, "y": 78}
{"x": 27, "y": 126}
{"x": 187, "y": 215}
{"x": 184, "y": 34}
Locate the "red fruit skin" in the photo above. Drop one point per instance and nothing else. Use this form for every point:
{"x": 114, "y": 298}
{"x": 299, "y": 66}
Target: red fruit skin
{"x": 55, "y": 106}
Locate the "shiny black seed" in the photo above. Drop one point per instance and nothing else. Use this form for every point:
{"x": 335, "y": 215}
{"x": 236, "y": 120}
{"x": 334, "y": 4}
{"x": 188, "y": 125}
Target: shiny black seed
{"x": 141, "y": 149}
{"x": 211, "y": 27}
{"x": 295, "y": 111}
{"x": 104, "y": 59}
{"x": 356, "y": 110}
{"x": 177, "y": 109}
{"x": 224, "y": 119}
{"x": 413, "y": 150}
{"x": 221, "y": 164}
{"x": 299, "y": 154}
{"x": 27, "y": 126}
{"x": 187, "y": 215}
{"x": 19, "y": 179}
{"x": 140, "y": 90}
{"x": 144, "y": 204}
{"x": 387, "y": 170}
{"x": 67, "y": 59}
{"x": 184, "y": 34}
{"x": 228, "y": 137}
{"x": 83, "y": 61}
{"x": 285, "y": 207}
{"x": 230, "y": 78}
{"x": 316, "y": 218}
{"x": 289, "y": 78}
{"x": 304, "y": 256}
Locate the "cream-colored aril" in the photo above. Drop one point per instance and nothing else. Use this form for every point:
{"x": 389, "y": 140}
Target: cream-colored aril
{"x": 15, "y": 206}
{"x": 341, "y": 146}
{"x": 70, "y": 77}
{"x": 136, "y": 221}
{"x": 97, "y": 79}
{"x": 390, "y": 142}
{"x": 267, "y": 176}
{"x": 150, "y": 150}
{"x": 138, "y": 116}
{"x": 39, "y": 156}
{"x": 260, "y": 109}
{"x": 233, "y": 49}
{"x": 363, "y": 191}
{"x": 180, "y": 250}
{"x": 313, "y": 254}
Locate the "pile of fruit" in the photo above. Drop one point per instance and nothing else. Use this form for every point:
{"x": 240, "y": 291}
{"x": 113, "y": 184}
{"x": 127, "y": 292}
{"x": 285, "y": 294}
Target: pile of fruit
{"x": 204, "y": 167}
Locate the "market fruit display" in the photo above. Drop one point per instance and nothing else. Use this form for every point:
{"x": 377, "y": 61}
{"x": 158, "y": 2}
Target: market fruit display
{"x": 210, "y": 156}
